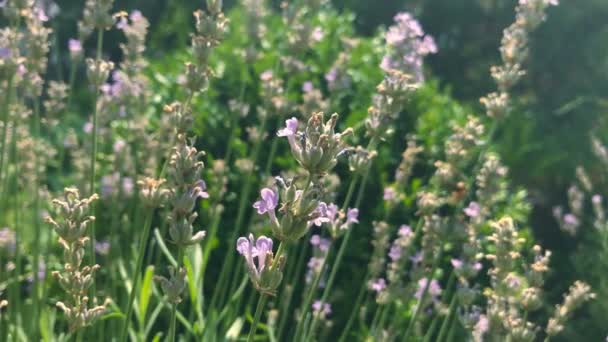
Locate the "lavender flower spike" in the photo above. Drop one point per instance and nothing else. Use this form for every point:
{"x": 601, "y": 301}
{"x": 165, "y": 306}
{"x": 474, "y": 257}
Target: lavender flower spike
{"x": 290, "y": 131}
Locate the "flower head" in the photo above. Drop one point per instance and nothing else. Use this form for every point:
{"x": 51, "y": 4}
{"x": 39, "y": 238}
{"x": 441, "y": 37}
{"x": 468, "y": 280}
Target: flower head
{"x": 472, "y": 210}
{"x": 260, "y": 259}
{"x": 290, "y": 131}
{"x": 321, "y": 308}
{"x": 434, "y": 289}
{"x": 379, "y": 285}
{"x": 352, "y": 216}
{"x": 269, "y": 200}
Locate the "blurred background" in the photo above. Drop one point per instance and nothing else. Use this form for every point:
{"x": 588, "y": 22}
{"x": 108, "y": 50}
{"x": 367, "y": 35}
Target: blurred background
{"x": 560, "y": 103}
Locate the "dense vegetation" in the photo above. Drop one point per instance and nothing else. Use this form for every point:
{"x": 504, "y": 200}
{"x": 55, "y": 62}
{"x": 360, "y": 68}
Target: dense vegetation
{"x": 421, "y": 212}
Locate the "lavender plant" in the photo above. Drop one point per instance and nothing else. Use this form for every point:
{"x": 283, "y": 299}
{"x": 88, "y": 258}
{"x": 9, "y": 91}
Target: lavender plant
{"x": 444, "y": 255}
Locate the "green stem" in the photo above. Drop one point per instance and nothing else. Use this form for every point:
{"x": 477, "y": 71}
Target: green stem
{"x": 221, "y": 287}
{"x": 306, "y": 305}
{"x": 377, "y": 314}
{"x": 5, "y": 112}
{"x": 452, "y": 330}
{"x": 355, "y": 309}
{"x": 73, "y": 68}
{"x": 273, "y": 151}
{"x": 94, "y": 153}
{"x": 80, "y": 335}
{"x": 444, "y": 326}
{"x": 172, "y": 327}
{"x": 143, "y": 242}
{"x": 340, "y": 255}
{"x": 258, "y": 314}
{"x": 293, "y": 276}
{"x": 36, "y": 218}
{"x": 16, "y": 297}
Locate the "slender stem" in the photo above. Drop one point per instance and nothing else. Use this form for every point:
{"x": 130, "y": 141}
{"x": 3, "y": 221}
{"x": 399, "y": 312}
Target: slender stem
{"x": 340, "y": 255}
{"x": 377, "y": 314}
{"x": 73, "y": 68}
{"x": 143, "y": 242}
{"x": 5, "y": 110}
{"x": 315, "y": 284}
{"x": 292, "y": 277}
{"x": 36, "y": 218}
{"x": 355, "y": 309}
{"x": 94, "y": 151}
{"x": 382, "y": 320}
{"x": 452, "y": 330}
{"x": 221, "y": 287}
{"x": 258, "y": 314}
{"x": 444, "y": 326}
{"x": 16, "y": 298}
{"x": 444, "y": 298}
{"x": 172, "y": 327}
{"x": 80, "y": 335}
{"x": 273, "y": 151}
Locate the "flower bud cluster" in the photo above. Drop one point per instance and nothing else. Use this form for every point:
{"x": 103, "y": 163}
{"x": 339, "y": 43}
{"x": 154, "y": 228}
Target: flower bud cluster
{"x": 512, "y": 294}
{"x": 360, "y": 158}
{"x": 514, "y": 51}
{"x": 600, "y": 151}
{"x": 185, "y": 186}
{"x": 174, "y": 286}
{"x": 336, "y": 219}
{"x": 490, "y": 182}
{"x": 211, "y": 26}
{"x": 312, "y": 100}
{"x": 274, "y": 99}
{"x": 98, "y": 71}
{"x": 316, "y": 147}
{"x": 320, "y": 248}
{"x": 381, "y": 244}
{"x": 408, "y": 160}
{"x": 395, "y": 192}
{"x": 75, "y": 278}
{"x": 11, "y": 60}
{"x": 96, "y": 16}
{"x": 135, "y": 28}
{"x": 15, "y": 9}
{"x": 153, "y": 192}
{"x": 460, "y": 146}
{"x": 407, "y": 46}
{"x": 392, "y": 94}
{"x": 255, "y": 28}
{"x": 571, "y": 221}
{"x": 338, "y": 77}
{"x": 578, "y": 294}
{"x": 55, "y": 104}
{"x": 36, "y": 39}
{"x": 298, "y": 211}
{"x": 300, "y": 34}
{"x": 395, "y": 284}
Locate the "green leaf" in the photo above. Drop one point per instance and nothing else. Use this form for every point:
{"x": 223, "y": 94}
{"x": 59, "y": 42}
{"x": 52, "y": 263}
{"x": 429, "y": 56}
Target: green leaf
{"x": 145, "y": 293}
{"x": 163, "y": 248}
{"x": 191, "y": 280}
